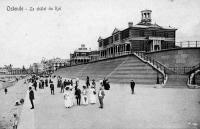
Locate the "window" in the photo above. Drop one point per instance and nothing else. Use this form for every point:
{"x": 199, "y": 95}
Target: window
{"x": 83, "y": 54}
{"x": 125, "y": 34}
{"x": 153, "y": 33}
{"x": 166, "y": 34}
{"x": 100, "y": 44}
{"x": 116, "y": 37}
{"x": 106, "y": 42}
{"x": 142, "y": 33}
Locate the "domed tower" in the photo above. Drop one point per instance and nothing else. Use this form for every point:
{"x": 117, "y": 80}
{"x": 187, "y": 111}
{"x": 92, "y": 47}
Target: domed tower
{"x": 146, "y": 17}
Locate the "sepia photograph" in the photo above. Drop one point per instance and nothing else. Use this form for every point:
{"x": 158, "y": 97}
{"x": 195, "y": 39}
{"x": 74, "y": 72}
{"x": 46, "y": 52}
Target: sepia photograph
{"x": 99, "y": 64}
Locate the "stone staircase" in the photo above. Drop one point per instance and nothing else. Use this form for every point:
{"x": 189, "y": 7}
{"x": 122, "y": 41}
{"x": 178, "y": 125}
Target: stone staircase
{"x": 177, "y": 81}
{"x": 96, "y": 70}
{"x": 134, "y": 68}
{"x": 99, "y": 70}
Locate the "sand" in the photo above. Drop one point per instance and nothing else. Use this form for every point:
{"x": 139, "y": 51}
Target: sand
{"x": 7, "y": 103}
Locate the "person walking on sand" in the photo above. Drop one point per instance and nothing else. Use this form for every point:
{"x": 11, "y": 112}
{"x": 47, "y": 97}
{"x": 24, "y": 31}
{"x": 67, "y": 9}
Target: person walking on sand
{"x": 5, "y": 90}
{"x": 78, "y": 95}
{"x": 46, "y": 82}
{"x": 15, "y": 121}
{"x": 92, "y": 95}
{"x": 85, "y": 96}
{"x": 35, "y": 85}
{"x": 101, "y": 95}
{"x": 67, "y": 97}
{"x": 52, "y": 88}
{"x": 31, "y": 97}
{"x": 62, "y": 87}
{"x": 132, "y": 83}
{"x": 93, "y": 83}
{"x": 87, "y": 81}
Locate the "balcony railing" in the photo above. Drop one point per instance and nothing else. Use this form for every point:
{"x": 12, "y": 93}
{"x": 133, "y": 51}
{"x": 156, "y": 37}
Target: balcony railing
{"x": 188, "y": 44}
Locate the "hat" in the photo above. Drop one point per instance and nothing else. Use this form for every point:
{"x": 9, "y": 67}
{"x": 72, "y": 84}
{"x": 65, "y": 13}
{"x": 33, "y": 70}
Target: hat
{"x": 67, "y": 88}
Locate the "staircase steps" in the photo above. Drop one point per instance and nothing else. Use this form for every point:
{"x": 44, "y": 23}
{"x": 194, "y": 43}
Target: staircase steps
{"x": 134, "y": 69}
{"x": 177, "y": 81}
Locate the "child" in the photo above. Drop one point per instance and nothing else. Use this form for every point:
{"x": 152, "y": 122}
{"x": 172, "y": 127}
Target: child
{"x": 5, "y": 90}
{"x": 15, "y": 121}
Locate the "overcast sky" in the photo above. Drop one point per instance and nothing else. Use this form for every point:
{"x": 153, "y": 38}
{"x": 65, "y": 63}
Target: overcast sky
{"x": 26, "y": 37}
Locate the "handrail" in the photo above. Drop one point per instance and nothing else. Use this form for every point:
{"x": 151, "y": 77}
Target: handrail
{"x": 160, "y": 67}
{"x": 190, "y": 80}
{"x": 184, "y": 70}
{"x": 194, "y": 68}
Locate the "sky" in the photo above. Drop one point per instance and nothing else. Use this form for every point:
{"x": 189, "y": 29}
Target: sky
{"x": 28, "y": 36}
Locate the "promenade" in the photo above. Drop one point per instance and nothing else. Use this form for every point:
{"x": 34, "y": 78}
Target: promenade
{"x": 148, "y": 108}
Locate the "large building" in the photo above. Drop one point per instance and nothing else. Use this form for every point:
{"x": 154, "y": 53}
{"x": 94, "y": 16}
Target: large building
{"x": 80, "y": 55}
{"x": 143, "y": 36}
{"x": 55, "y": 63}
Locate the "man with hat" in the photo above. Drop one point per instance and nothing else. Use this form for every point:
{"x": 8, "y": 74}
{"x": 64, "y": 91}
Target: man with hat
{"x": 52, "y": 88}
{"x": 132, "y": 83}
{"x": 31, "y": 97}
{"x": 101, "y": 95}
{"x": 78, "y": 95}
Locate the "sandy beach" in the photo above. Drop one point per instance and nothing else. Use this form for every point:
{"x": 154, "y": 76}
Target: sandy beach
{"x": 7, "y": 102}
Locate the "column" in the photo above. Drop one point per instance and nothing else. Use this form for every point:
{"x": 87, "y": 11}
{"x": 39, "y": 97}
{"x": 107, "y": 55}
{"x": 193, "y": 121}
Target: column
{"x": 153, "y": 45}
{"x": 109, "y": 52}
{"x": 123, "y": 48}
{"x": 114, "y": 50}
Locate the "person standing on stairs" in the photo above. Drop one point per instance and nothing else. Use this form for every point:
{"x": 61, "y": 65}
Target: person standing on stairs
{"x": 132, "y": 83}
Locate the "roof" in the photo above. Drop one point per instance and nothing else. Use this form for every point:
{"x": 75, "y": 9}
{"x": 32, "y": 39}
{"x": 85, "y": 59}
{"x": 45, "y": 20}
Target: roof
{"x": 141, "y": 25}
{"x": 115, "y": 31}
{"x": 146, "y": 10}
{"x": 82, "y": 50}
{"x": 153, "y": 26}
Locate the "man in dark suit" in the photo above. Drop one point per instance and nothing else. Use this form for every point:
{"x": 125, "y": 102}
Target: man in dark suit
{"x": 62, "y": 87}
{"x": 87, "y": 81}
{"x": 31, "y": 97}
{"x": 101, "y": 95}
{"x": 35, "y": 85}
{"x": 78, "y": 95}
{"x": 132, "y": 83}
{"x": 46, "y": 82}
{"x": 52, "y": 88}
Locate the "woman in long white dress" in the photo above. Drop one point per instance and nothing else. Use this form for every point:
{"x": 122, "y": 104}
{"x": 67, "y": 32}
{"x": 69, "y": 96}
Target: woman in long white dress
{"x": 72, "y": 97}
{"x": 67, "y": 98}
{"x": 84, "y": 96}
{"x": 92, "y": 95}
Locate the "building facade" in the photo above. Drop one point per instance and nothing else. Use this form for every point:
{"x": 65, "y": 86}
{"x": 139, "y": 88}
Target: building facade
{"x": 3, "y": 70}
{"x": 49, "y": 66}
{"x": 54, "y": 64}
{"x": 80, "y": 56}
{"x": 143, "y": 36}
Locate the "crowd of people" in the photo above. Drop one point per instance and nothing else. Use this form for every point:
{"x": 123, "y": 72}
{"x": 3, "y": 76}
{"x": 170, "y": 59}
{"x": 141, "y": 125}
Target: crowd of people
{"x": 73, "y": 93}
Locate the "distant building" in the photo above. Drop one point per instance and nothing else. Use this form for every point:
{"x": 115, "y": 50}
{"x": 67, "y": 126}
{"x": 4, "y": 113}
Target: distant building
{"x": 143, "y": 36}
{"x": 3, "y": 70}
{"x": 80, "y": 56}
{"x": 49, "y": 66}
{"x": 54, "y": 64}
{"x": 17, "y": 71}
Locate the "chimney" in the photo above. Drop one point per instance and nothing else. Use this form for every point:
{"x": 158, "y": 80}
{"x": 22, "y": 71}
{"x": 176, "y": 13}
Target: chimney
{"x": 130, "y": 24}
